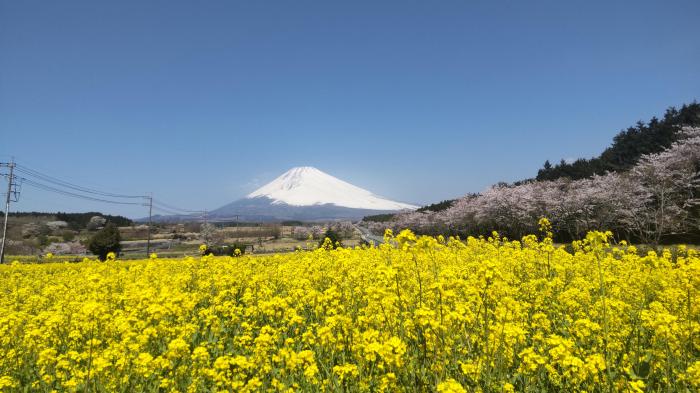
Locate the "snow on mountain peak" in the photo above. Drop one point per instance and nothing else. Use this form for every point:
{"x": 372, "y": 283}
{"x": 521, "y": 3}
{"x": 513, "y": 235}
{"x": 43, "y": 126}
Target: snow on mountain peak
{"x": 308, "y": 186}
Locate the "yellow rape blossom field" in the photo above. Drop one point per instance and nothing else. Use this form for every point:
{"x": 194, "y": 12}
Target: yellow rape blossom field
{"x": 416, "y": 314}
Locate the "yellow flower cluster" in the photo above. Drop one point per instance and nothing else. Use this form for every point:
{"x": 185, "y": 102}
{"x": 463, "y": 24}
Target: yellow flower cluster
{"x": 414, "y": 314}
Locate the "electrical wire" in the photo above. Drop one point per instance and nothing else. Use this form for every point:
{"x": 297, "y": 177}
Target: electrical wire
{"x": 171, "y": 207}
{"x": 62, "y": 183}
{"x": 156, "y": 208}
{"x": 38, "y": 179}
{"x": 72, "y": 194}
{"x": 174, "y": 213}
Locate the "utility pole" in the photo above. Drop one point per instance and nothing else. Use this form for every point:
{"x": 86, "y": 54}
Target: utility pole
{"x": 10, "y": 184}
{"x": 150, "y": 217}
{"x": 204, "y": 228}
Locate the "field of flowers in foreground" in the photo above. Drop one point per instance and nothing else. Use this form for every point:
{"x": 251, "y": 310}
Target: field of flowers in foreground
{"x": 422, "y": 315}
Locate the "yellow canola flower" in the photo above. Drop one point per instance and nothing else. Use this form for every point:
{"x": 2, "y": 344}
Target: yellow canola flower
{"x": 692, "y": 374}
{"x": 345, "y": 371}
{"x": 414, "y": 314}
{"x": 450, "y": 386}
{"x": 7, "y": 382}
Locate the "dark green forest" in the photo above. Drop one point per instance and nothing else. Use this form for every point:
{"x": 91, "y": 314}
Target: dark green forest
{"x": 630, "y": 144}
{"x": 436, "y": 207}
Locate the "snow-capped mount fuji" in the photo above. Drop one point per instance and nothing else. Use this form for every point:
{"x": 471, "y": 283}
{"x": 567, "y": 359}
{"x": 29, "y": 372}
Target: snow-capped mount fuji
{"x": 306, "y": 186}
{"x": 306, "y": 193}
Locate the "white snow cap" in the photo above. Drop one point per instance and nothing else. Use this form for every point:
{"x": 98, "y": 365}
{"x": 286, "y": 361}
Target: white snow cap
{"x": 307, "y": 186}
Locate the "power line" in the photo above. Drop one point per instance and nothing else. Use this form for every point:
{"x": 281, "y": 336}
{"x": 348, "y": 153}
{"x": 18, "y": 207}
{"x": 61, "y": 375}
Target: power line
{"x": 75, "y": 195}
{"x": 159, "y": 205}
{"x": 75, "y": 187}
{"x": 173, "y": 208}
{"x": 162, "y": 210}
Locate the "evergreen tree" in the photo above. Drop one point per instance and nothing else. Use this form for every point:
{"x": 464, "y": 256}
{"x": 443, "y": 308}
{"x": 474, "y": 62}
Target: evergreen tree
{"x": 105, "y": 241}
{"x": 333, "y": 236}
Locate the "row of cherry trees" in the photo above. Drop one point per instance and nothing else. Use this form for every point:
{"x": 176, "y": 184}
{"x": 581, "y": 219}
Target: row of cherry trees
{"x": 658, "y": 199}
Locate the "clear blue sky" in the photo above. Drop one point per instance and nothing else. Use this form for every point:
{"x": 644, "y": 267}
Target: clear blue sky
{"x": 199, "y": 102}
